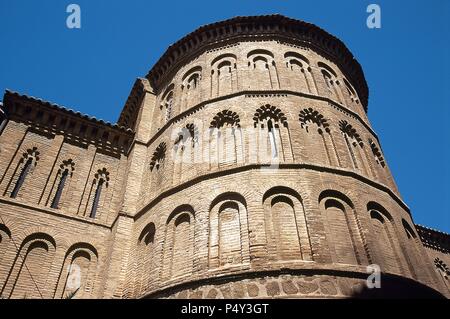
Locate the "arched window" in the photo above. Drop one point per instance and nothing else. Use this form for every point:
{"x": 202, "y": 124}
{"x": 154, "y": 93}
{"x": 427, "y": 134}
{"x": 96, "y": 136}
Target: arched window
{"x": 386, "y": 237}
{"x": 192, "y": 78}
{"x": 354, "y": 144}
{"x": 285, "y": 225}
{"x": 187, "y": 135}
{"x": 190, "y": 91}
{"x": 228, "y": 238}
{"x": 351, "y": 92}
{"x": 101, "y": 180}
{"x": 145, "y": 259}
{"x": 193, "y": 81}
{"x": 331, "y": 81}
{"x": 77, "y": 275}
{"x": 31, "y": 268}
{"x": 415, "y": 251}
{"x": 167, "y": 102}
{"x": 184, "y": 151}
{"x": 157, "y": 162}
{"x": 27, "y": 163}
{"x": 179, "y": 243}
{"x": 224, "y": 76}
{"x": 328, "y": 78}
{"x": 312, "y": 118}
{"x": 302, "y": 77}
{"x": 273, "y": 134}
{"x": 442, "y": 268}
{"x": 226, "y": 144}
{"x": 262, "y": 69}
{"x": 376, "y": 153}
{"x": 158, "y": 157}
{"x": 342, "y": 228}
{"x": 65, "y": 171}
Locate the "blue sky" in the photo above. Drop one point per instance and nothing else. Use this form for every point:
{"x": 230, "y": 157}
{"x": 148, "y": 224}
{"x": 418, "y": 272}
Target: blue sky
{"x": 406, "y": 64}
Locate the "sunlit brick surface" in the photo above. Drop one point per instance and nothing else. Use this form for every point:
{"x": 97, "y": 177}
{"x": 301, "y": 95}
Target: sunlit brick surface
{"x": 242, "y": 166}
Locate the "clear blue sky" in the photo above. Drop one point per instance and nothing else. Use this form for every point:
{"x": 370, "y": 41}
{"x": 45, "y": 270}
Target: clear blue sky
{"x": 406, "y": 63}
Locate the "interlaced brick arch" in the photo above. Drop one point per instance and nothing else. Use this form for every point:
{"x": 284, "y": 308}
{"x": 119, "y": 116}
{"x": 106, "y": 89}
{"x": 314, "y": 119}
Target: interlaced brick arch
{"x": 225, "y": 118}
{"x": 31, "y": 153}
{"x": 310, "y": 115}
{"x": 376, "y": 152}
{"x": 270, "y": 112}
{"x": 102, "y": 174}
{"x": 158, "y": 156}
{"x": 350, "y": 131}
{"x": 442, "y": 266}
{"x": 190, "y": 131}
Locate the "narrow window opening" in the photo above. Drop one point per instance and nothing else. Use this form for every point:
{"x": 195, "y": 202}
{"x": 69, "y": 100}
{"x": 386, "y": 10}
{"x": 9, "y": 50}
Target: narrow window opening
{"x": 60, "y": 189}
{"x": 23, "y": 175}
{"x": 273, "y": 144}
{"x": 98, "y": 193}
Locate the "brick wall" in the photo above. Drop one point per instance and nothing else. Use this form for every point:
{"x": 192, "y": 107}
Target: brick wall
{"x": 251, "y": 159}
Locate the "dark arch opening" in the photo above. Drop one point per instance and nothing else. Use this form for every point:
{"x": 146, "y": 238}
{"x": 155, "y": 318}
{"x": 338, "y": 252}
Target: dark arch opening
{"x": 223, "y": 56}
{"x": 192, "y": 72}
{"x": 259, "y": 51}
{"x": 296, "y": 55}
{"x": 38, "y": 237}
{"x": 335, "y": 194}
{"x": 230, "y": 197}
{"x": 5, "y": 229}
{"x": 409, "y": 231}
{"x": 183, "y": 218}
{"x": 278, "y": 190}
{"x": 380, "y": 209}
{"x": 80, "y": 246}
{"x": 333, "y": 203}
{"x": 228, "y": 205}
{"x": 148, "y": 234}
{"x": 180, "y": 209}
{"x": 82, "y": 253}
{"x": 326, "y": 67}
{"x": 376, "y": 215}
{"x": 282, "y": 199}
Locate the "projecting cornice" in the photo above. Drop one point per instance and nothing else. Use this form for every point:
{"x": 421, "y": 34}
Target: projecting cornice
{"x": 50, "y": 119}
{"x": 260, "y": 27}
{"x": 130, "y": 111}
{"x": 434, "y": 239}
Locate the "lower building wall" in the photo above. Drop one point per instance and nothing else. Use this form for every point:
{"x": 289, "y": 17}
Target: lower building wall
{"x": 310, "y": 286}
{"x": 47, "y": 255}
{"x": 284, "y": 233}
{"x": 300, "y": 219}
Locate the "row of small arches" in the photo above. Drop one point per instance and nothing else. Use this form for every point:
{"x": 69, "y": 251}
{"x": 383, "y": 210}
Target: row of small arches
{"x": 270, "y": 117}
{"x": 224, "y": 77}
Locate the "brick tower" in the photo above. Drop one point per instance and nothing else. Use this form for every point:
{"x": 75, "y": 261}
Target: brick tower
{"x": 243, "y": 165}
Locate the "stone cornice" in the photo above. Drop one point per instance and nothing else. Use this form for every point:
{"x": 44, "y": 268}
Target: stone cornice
{"x": 434, "y": 239}
{"x": 260, "y": 27}
{"x": 51, "y": 119}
